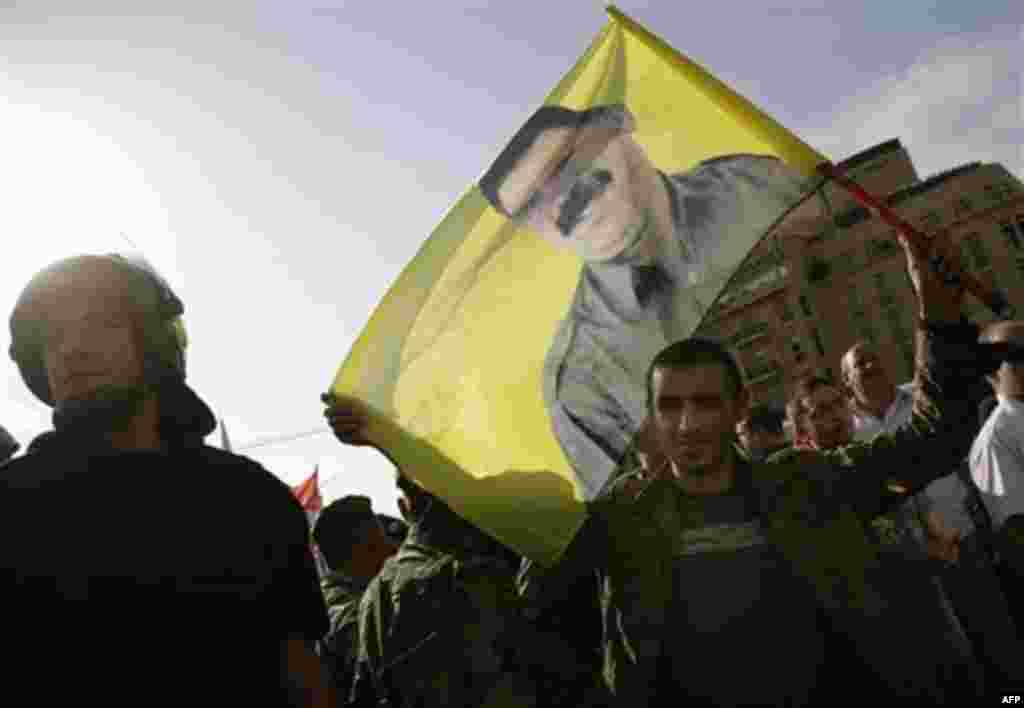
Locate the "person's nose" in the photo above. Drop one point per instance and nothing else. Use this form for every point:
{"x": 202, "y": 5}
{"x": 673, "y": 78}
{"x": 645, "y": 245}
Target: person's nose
{"x": 71, "y": 344}
{"x": 692, "y": 420}
{"x": 583, "y": 191}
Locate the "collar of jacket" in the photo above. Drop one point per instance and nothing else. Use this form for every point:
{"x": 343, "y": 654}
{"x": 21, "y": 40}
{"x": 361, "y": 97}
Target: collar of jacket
{"x": 185, "y": 420}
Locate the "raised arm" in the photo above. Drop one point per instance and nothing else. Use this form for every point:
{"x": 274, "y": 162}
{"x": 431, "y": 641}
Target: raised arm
{"x": 947, "y": 366}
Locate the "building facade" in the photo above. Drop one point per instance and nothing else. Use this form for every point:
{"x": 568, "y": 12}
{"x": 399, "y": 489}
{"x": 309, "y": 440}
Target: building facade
{"x": 828, "y": 275}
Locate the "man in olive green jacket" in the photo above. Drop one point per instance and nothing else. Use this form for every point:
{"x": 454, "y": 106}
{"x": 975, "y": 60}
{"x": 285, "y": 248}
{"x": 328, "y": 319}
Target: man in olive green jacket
{"x": 730, "y": 583}
{"x": 354, "y": 547}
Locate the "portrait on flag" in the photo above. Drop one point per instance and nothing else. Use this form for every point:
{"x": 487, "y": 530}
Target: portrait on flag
{"x": 650, "y": 243}
{"x": 504, "y": 369}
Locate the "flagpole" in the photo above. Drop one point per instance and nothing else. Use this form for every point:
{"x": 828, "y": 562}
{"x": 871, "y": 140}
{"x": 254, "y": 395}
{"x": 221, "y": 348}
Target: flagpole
{"x": 994, "y": 299}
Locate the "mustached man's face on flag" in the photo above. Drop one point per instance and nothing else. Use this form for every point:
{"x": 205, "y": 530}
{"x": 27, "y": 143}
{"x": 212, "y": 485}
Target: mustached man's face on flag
{"x": 579, "y": 180}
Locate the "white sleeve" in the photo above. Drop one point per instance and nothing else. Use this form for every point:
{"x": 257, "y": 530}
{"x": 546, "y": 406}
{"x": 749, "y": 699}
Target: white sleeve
{"x": 998, "y": 469}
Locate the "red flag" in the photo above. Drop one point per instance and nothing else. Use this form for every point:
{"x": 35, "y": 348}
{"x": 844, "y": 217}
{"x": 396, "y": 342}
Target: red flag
{"x": 308, "y": 494}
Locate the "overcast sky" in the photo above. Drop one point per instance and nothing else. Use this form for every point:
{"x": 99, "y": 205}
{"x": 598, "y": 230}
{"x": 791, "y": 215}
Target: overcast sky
{"x": 281, "y": 162}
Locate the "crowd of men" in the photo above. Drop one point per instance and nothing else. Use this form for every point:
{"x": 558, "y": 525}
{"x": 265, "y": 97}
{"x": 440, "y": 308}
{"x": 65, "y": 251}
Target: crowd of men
{"x": 731, "y": 563}
{"x": 874, "y": 552}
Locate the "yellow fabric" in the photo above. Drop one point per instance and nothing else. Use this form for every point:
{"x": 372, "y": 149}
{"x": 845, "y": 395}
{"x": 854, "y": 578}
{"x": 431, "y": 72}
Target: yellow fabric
{"x": 451, "y": 360}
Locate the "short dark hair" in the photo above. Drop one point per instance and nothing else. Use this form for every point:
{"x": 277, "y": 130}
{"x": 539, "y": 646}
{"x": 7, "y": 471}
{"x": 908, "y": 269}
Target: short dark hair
{"x": 545, "y": 118}
{"x": 342, "y": 525}
{"x": 692, "y": 352}
{"x": 765, "y": 418}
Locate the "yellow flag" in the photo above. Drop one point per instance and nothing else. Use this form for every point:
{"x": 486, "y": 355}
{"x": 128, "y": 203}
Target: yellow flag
{"x": 505, "y": 368}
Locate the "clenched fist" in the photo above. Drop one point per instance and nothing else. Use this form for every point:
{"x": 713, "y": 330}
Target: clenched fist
{"x": 348, "y": 419}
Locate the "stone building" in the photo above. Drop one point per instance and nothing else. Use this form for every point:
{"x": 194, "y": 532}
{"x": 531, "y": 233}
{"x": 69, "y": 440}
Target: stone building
{"x": 828, "y": 274}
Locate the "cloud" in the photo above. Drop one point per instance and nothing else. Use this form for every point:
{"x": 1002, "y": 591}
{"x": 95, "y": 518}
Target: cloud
{"x": 961, "y": 101}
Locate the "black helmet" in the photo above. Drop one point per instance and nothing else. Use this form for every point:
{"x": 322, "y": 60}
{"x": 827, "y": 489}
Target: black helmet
{"x": 8, "y": 445}
{"x": 162, "y": 329}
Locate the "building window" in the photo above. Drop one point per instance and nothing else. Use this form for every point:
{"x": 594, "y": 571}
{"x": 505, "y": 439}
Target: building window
{"x": 787, "y": 311}
{"x": 908, "y": 360}
{"x": 878, "y": 248}
{"x": 770, "y": 378}
{"x": 866, "y": 331}
{"x": 979, "y": 254}
{"x": 1011, "y": 235}
{"x": 963, "y": 207}
{"x": 851, "y": 217}
{"x": 998, "y": 193}
{"x": 818, "y": 270}
{"x": 849, "y": 261}
{"x": 818, "y": 343}
{"x": 805, "y": 306}
{"x": 759, "y": 365}
{"x": 931, "y": 219}
{"x": 797, "y": 349}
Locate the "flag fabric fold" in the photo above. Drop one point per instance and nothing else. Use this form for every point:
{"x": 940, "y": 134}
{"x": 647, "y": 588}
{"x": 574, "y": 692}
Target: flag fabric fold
{"x": 504, "y": 369}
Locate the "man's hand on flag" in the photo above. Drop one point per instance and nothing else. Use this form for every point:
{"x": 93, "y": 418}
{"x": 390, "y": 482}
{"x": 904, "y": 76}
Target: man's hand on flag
{"x": 347, "y": 418}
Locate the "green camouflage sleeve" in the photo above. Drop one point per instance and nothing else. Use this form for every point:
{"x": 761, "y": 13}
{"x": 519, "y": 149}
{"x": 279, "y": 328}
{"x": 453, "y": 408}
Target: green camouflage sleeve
{"x": 541, "y": 587}
{"x": 373, "y": 617}
{"x": 433, "y": 638}
{"x": 635, "y": 587}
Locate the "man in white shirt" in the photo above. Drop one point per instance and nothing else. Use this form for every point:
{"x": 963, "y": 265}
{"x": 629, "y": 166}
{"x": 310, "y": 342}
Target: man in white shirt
{"x": 997, "y": 456}
{"x": 940, "y": 513}
{"x": 997, "y": 460}
{"x": 880, "y": 406}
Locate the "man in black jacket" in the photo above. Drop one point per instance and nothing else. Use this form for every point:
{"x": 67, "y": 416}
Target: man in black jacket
{"x": 139, "y": 562}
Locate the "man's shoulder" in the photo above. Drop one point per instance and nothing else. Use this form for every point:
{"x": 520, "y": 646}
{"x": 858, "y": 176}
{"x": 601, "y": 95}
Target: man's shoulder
{"x": 1003, "y": 429}
{"x": 414, "y": 561}
{"x": 16, "y": 471}
{"x": 413, "y": 576}
{"x": 240, "y": 470}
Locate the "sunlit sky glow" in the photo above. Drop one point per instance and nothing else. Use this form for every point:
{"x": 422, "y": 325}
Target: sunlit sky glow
{"x": 280, "y": 163}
